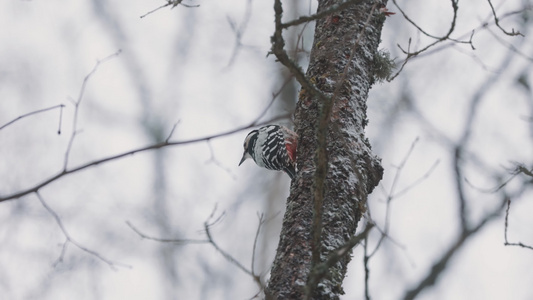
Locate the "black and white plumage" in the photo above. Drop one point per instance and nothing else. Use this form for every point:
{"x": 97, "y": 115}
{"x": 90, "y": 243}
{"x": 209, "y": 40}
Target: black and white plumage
{"x": 272, "y": 147}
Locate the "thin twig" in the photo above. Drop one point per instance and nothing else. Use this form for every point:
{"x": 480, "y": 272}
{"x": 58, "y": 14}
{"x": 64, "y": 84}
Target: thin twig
{"x": 426, "y": 50}
{"x": 366, "y": 259}
{"x": 300, "y": 40}
{"x": 419, "y": 180}
{"x": 437, "y": 39}
{"x": 483, "y": 26}
{"x": 519, "y": 169}
{"x": 239, "y": 31}
{"x": 506, "y": 243}
{"x": 216, "y": 162}
{"x": 156, "y": 9}
{"x": 172, "y": 131}
{"x": 447, "y": 36}
{"x": 78, "y": 102}
{"x": 522, "y": 169}
{"x": 226, "y": 255}
{"x": 174, "y": 3}
{"x": 261, "y": 219}
{"x": 440, "y": 265}
{"x": 155, "y": 146}
{"x": 509, "y": 45}
{"x": 165, "y": 240}
{"x": 272, "y": 100}
{"x": 390, "y": 197}
{"x": 207, "y": 225}
{"x": 62, "y": 254}
{"x": 278, "y": 44}
{"x": 60, "y": 106}
{"x": 497, "y": 21}
{"x": 472, "y": 113}
{"x": 69, "y": 239}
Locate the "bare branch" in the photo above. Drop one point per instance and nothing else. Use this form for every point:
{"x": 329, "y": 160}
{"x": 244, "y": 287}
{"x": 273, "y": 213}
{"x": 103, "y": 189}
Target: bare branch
{"x": 392, "y": 194}
{"x": 214, "y": 160}
{"x": 207, "y": 225}
{"x": 459, "y": 179}
{"x": 419, "y": 180}
{"x": 261, "y": 222}
{"x": 400, "y": 168}
{"x": 519, "y": 245}
{"x": 507, "y": 243}
{"x": 165, "y": 240}
{"x": 497, "y": 21}
{"x": 155, "y": 146}
{"x": 509, "y": 45}
{"x": 366, "y": 259}
{"x": 111, "y": 264}
{"x": 172, "y": 131}
{"x": 426, "y": 51}
{"x": 459, "y": 148}
{"x": 272, "y": 100}
{"x": 445, "y": 37}
{"x": 404, "y": 61}
{"x": 437, "y": 39}
{"x": 300, "y": 40}
{"x": 156, "y": 9}
{"x": 166, "y": 143}
{"x": 239, "y": 31}
{"x": 78, "y": 102}
{"x": 440, "y": 265}
{"x": 472, "y": 55}
{"x": 226, "y": 255}
{"x": 60, "y": 106}
{"x": 278, "y": 43}
{"x": 519, "y": 169}
{"x": 62, "y": 254}
{"x": 522, "y": 169}
{"x": 174, "y": 3}
{"x": 483, "y": 26}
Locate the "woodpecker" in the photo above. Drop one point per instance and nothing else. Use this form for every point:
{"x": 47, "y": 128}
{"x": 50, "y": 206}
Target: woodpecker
{"x": 272, "y": 147}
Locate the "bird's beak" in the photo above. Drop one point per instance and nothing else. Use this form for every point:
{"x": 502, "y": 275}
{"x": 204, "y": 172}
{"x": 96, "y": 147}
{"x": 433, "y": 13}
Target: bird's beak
{"x": 243, "y": 158}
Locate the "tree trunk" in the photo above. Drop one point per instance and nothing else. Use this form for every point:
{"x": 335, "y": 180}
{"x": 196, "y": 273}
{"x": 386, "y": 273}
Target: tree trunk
{"x": 351, "y": 171}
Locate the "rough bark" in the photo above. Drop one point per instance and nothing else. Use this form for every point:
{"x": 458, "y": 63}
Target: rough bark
{"x": 351, "y": 170}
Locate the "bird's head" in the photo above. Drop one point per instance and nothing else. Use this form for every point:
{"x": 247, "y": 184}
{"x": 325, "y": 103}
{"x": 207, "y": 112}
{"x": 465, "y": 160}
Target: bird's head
{"x": 249, "y": 145}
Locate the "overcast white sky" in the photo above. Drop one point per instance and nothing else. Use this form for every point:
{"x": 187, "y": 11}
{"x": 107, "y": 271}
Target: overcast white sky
{"x": 174, "y": 66}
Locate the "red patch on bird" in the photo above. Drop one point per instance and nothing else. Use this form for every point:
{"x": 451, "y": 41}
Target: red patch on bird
{"x": 385, "y": 11}
{"x": 291, "y": 143}
{"x": 335, "y": 19}
{"x": 291, "y": 150}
